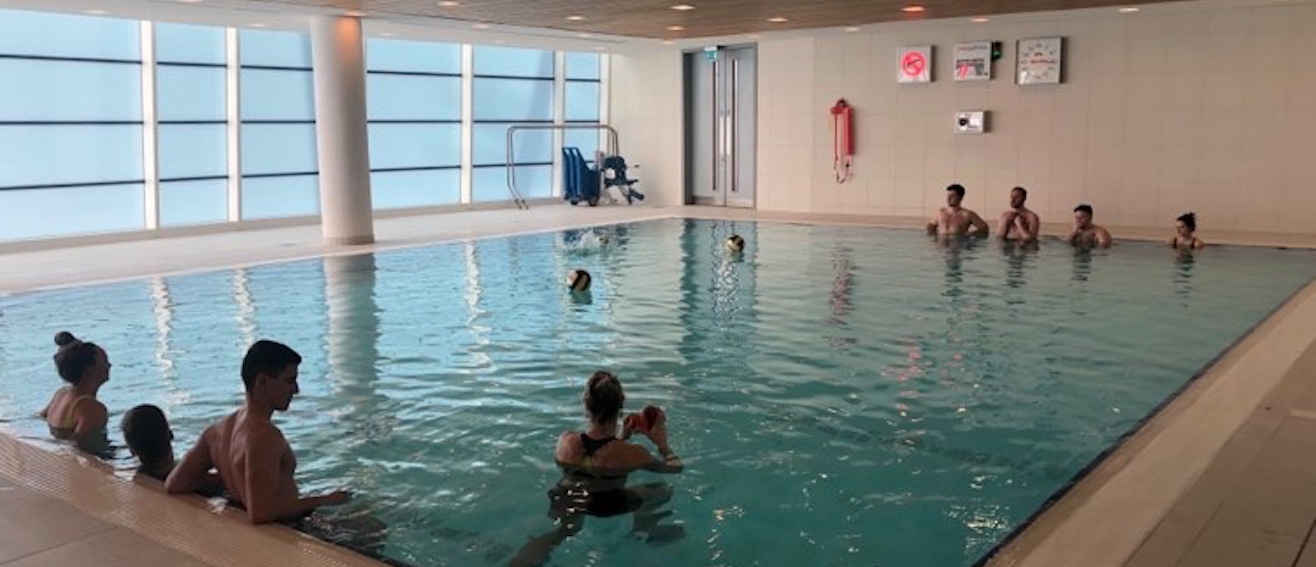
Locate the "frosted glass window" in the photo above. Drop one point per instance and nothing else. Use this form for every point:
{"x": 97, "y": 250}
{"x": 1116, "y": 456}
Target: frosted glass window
{"x": 402, "y": 189}
{"x": 45, "y": 155}
{"x": 582, "y": 101}
{"x": 274, "y": 48}
{"x": 413, "y": 97}
{"x": 64, "y": 35}
{"x": 490, "y": 145}
{"x": 45, "y": 213}
{"x": 184, "y": 203}
{"x": 490, "y": 183}
{"x": 190, "y": 93}
{"x": 512, "y": 99}
{"x": 587, "y": 141}
{"x": 278, "y": 148}
{"x": 278, "y": 197}
{"x": 414, "y": 145}
{"x": 69, "y": 90}
{"x": 414, "y": 56}
{"x": 513, "y": 62}
{"x": 192, "y": 150}
{"x": 182, "y": 43}
{"x": 582, "y": 65}
{"x": 277, "y": 95}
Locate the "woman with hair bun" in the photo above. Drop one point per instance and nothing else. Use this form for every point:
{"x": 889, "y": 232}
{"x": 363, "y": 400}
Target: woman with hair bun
{"x": 74, "y": 413}
{"x": 595, "y": 464}
{"x": 1184, "y": 228}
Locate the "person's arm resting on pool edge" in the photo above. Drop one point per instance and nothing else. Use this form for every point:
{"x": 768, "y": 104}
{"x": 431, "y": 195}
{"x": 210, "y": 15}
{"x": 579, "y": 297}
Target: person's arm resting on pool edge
{"x": 264, "y": 502}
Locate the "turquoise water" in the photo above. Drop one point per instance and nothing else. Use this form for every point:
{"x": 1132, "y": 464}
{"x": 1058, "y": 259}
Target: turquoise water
{"x": 841, "y": 396}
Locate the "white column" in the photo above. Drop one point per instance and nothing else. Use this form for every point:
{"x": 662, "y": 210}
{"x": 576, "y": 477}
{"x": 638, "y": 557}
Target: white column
{"x": 559, "y": 118}
{"x": 468, "y": 123}
{"x": 233, "y": 122}
{"x": 338, "y": 58}
{"x": 150, "y": 129}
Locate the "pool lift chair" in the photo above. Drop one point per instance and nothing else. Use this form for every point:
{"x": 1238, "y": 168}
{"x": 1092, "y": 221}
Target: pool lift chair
{"x": 580, "y": 180}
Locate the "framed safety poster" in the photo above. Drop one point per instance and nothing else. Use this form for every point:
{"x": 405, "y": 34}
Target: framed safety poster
{"x": 973, "y": 61}
{"x": 1039, "y": 60}
{"x": 915, "y": 64}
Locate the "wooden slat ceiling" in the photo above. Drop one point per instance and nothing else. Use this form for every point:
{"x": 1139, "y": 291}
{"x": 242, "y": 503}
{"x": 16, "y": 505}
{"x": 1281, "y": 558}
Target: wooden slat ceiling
{"x": 656, "y": 18}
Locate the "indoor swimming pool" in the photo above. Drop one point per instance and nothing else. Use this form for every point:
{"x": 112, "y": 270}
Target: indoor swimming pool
{"x": 839, "y": 395}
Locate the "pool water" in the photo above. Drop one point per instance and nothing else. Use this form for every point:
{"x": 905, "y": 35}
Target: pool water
{"x": 840, "y": 395}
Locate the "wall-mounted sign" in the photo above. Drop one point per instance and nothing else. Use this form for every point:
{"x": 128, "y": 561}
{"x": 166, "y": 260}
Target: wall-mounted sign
{"x": 1039, "y": 60}
{"x": 973, "y": 61}
{"x": 970, "y": 122}
{"x": 915, "y": 65}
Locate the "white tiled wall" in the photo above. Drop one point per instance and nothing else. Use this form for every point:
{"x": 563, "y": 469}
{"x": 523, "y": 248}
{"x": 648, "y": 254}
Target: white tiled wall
{"x": 786, "y": 108}
{"x": 1203, "y": 108}
{"x": 645, "y": 107}
{"x": 1211, "y": 110}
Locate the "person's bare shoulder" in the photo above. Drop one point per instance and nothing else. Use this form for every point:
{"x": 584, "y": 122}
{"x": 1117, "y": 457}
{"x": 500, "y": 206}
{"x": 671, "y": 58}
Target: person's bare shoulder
{"x": 566, "y": 449}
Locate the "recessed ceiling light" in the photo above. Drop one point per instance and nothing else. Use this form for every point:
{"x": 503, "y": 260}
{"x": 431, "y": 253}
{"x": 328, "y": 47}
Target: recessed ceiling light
{"x": 97, "y": 12}
{"x": 388, "y": 34}
{"x": 257, "y": 25}
{"x": 755, "y": 36}
{"x": 668, "y": 42}
{"x": 778, "y": 20}
{"x": 682, "y": 7}
{"x": 852, "y": 29}
{"x": 675, "y": 28}
{"x": 190, "y": 1}
{"x": 584, "y": 35}
{"x": 1128, "y": 10}
{"x": 499, "y": 42}
{"x": 481, "y": 26}
{"x": 576, "y": 18}
{"x": 979, "y": 20}
{"x": 449, "y": 4}
{"x": 913, "y": 9}
{"x": 355, "y": 13}
{"x": 598, "y": 48}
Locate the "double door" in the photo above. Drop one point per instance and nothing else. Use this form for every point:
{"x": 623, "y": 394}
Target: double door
{"x": 721, "y": 110}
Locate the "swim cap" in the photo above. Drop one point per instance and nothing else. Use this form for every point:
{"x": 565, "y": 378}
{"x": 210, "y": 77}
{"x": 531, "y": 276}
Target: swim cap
{"x": 735, "y": 243}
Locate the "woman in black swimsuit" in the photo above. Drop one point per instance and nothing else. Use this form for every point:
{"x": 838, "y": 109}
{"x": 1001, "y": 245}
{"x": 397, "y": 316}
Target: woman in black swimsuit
{"x": 595, "y": 464}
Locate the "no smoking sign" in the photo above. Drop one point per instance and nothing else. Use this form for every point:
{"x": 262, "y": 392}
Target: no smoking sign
{"x": 915, "y": 65}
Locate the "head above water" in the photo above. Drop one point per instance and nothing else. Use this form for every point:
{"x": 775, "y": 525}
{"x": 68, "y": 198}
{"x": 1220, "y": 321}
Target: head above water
{"x": 1083, "y": 215}
{"x": 735, "y": 243}
{"x": 579, "y": 280}
{"x": 269, "y": 373}
{"x": 1018, "y": 196}
{"x": 79, "y": 361}
{"x": 603, "y": 397}
{"x": 147, "y": 434}
{"x": 1186, "y": 224}
{"x": 954, "y": 194}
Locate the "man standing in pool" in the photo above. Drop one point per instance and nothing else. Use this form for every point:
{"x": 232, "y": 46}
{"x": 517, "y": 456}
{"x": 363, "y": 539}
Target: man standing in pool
{"x": 1086, "y": 234}
{"x": 251, "y": 454}
{"x": 954, "y": 220}
{"x": 1018, "y": 223}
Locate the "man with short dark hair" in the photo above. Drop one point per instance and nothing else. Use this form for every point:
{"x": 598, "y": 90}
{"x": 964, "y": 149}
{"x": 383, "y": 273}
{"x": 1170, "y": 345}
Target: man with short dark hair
{"x": 1086, "y": 234}
{"x": 954, "y": 220}
{"x": 1017, "y": 222}
{"x": 251, "y": 454}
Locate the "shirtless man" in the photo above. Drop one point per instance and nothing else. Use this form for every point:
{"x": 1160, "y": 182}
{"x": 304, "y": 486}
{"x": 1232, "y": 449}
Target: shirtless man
{"x": 1085, "y": 233}
{"x": 1018, "y": 222}
{"x": 252, "y": 456}
{"x": 954, "y": 220}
